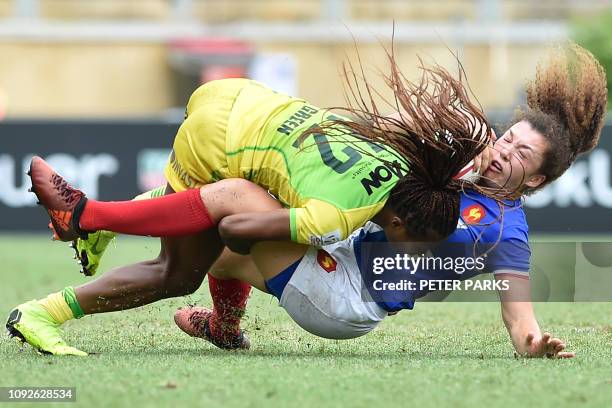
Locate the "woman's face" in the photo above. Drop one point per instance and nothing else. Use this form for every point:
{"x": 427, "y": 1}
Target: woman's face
{"x": 517, "y": 155}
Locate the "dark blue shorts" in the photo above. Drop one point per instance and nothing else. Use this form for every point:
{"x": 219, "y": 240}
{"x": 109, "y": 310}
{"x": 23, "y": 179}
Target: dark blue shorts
{"x": 277, "y": 284}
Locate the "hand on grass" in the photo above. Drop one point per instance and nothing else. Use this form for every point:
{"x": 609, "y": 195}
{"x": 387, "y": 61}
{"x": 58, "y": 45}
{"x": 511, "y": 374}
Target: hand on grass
{"x": 546, "y": 346}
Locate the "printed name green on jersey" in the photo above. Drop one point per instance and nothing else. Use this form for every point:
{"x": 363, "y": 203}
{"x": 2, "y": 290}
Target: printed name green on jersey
{"x": 344, "y": 170}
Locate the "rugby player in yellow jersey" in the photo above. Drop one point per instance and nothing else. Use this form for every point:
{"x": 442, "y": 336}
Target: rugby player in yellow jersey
{"x": 334, "y": 174}
{"x": 332, "y": 179}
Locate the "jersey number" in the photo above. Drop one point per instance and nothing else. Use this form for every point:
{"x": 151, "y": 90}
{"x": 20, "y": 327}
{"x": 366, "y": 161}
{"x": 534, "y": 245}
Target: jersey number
{"x": 327, "y": 155}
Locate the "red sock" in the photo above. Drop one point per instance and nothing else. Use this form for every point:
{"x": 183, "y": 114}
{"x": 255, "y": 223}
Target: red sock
{"x": 176, "y": 214}
{"x": 229, "y": 304}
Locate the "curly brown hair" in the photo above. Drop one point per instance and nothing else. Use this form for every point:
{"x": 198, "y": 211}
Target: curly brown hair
{"x": 567, "y": 104}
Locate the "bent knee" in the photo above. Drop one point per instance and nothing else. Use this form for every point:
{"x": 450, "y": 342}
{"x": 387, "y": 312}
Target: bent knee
{"x": 176, "y": 279}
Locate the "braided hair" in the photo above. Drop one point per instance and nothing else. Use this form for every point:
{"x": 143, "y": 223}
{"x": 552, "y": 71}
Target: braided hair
{"x": 438, "y": 132}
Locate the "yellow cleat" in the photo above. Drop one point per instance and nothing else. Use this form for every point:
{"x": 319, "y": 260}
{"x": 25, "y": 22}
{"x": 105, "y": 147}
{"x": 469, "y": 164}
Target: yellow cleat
{"x": 89, "y": 251}
{"x": 31, "y": 323}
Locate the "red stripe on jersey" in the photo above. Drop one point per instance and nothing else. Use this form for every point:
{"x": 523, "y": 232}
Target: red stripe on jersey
{"x": 464, "y": 171}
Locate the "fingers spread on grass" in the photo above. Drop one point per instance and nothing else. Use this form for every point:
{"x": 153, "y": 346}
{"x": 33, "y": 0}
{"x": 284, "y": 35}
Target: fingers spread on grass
{"x": 553, "y": 343}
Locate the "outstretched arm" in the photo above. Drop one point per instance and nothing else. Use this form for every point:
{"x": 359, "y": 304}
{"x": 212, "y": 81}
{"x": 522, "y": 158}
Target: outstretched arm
{"x": 519, "y": 318}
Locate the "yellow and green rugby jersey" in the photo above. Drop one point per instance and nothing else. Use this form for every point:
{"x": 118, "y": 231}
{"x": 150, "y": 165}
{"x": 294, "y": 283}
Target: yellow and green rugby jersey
{"x": 333, "y": 185}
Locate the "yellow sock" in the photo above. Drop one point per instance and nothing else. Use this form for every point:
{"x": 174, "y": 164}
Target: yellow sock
{"x": 57, "y": 307}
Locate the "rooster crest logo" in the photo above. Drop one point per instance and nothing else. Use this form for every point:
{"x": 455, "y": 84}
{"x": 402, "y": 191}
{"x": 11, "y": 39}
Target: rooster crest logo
{"x": 473, "y": 214}
{"x": 326, "y": 261}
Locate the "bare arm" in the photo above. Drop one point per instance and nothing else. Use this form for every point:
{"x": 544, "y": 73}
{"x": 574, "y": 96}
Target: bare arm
{"x": 519, "y": 318}
{"x": 245, "y": 214}
{"x": 517, "y": 312}
{"x": 240, "y": 231}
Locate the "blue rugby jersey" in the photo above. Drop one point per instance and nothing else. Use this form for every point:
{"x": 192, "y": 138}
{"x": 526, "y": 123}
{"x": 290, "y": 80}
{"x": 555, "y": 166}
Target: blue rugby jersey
{"x": 478, "y": 230}
{"x": 483, "y": 229}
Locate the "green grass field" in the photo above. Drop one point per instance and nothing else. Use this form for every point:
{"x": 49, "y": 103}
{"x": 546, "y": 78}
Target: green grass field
{"x": 439, "y": 354}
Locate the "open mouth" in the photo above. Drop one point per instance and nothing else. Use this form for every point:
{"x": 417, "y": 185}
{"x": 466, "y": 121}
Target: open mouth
{"x": 496, "y": 166}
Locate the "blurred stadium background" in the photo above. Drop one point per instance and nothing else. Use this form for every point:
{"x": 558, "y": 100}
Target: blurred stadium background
{"x": 116, "y": 58}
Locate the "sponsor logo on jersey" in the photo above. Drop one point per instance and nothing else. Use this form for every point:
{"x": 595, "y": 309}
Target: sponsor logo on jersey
{"x": 382, "y": 173}
{"x": 320, "y": 240}
{"x": 180, "y": 172}
{"x": 326, "y": 261}
{"x": 473, "y": 214}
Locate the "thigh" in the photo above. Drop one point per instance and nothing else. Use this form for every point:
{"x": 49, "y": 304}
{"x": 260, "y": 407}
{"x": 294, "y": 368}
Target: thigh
{"x": 190, "y": 257}
{"x": 231, "y": 265}
{"x": 271, "y": 258}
